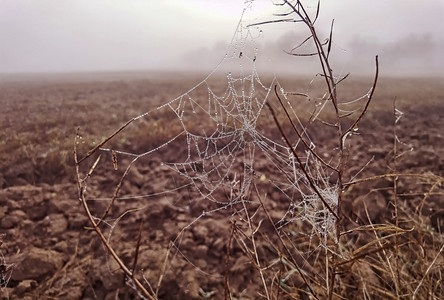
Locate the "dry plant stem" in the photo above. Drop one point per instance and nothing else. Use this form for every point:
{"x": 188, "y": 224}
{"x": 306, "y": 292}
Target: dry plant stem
{"x": 136, "y": 255}
{"x": 99, "y": 232}
{"x": 370, "y": 97}
{"x": 113, "y": 253}
{"x": 148, "y": 284}
{"x": 323, "y": 58}
{"x": 395, "y": 194}
{"x": 377, "y": 227}
{"x": 92, "y": 151}
{"x": 331, "y": 83}
{"x": 418, "y": 209}
{"x": 279, "y": 275}
{"x": 227, "y": 291}
{"x": 427, "y": 271}
{"x": 332, "y": 94}
{"x": 378, "y": 240}
{"x": 164, "y": 267}
{"x": 362, "y": 255}
{"x": 385, "y": 293}
{"x": 426, "y": 195}
{"x": 438, "y": 178}
{"x": 256, "y": 255}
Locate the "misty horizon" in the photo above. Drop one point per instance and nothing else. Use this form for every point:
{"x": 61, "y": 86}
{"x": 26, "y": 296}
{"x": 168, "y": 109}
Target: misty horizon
{"x": 135, "y": 36}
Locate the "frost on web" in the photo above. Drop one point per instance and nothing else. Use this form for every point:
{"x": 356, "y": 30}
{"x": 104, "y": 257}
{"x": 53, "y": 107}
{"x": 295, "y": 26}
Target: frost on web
{"x": 222, "y": 141}
{"x": 309, "y": 207}
{"x": 220, "y": 147}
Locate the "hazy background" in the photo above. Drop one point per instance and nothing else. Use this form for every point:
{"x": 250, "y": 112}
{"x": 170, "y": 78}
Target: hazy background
{"x": 113, "y": 35}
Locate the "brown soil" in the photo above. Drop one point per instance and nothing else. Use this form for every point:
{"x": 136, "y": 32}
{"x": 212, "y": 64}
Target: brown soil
{"x": 55, "y": 255}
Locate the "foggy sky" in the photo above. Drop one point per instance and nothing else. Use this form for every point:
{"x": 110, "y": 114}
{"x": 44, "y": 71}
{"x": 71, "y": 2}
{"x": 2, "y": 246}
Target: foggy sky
{"x": 112, "y": 35}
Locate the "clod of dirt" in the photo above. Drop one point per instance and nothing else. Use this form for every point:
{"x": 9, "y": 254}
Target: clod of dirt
{"x": 37, "y": 264}
{"x": 200, "y": 233}
{"x": 76, "y": 220}
{"x": 55, "y": 224}
{"x": 111, "y": 280}
{"x": 25, "y": 286}
{"x": 11, "y": 220}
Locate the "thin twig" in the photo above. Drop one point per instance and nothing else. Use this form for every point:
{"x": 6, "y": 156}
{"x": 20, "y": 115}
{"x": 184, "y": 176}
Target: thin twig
{"x": 392, "y": 175}
{"x": 395, "y": 194}
{"x": 227, "y": 262}
{"x": 91, "y": 152}
{"x": 370, "y": 97}
{"x": 427, "y": 271}
{"x": 136, "y": 255}
{"x": 253, "y": 242}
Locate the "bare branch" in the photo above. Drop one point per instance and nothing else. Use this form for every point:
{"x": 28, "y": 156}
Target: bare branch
{"x": 303, "y": 42}
{"x": 90, "y": 152}
{"x": 275, "y": 21}
{"x": 136, "y": 255}
{"x": 370, "y": 97}
{"x": 330, "y": 39}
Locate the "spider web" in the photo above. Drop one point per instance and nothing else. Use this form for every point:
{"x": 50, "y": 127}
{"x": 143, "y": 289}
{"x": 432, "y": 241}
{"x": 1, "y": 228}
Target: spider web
{"x": 221, "y": 137}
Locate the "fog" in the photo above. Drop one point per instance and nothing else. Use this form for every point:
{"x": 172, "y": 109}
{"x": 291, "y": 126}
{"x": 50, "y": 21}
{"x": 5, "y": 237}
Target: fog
{"x": 114, "y": 35}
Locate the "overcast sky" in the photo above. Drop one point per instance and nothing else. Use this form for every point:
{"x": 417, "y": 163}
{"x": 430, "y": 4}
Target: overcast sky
{"x": 107, "y": 35}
